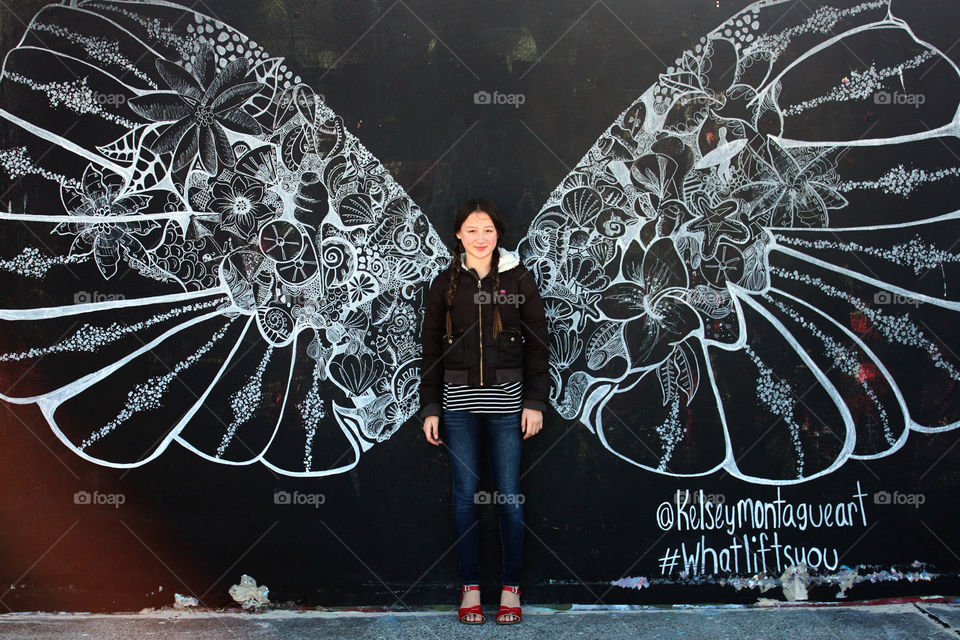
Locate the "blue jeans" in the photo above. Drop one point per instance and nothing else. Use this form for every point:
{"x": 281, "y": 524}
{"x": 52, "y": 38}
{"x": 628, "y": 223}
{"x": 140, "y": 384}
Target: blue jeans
{"x": 464, "y": 434}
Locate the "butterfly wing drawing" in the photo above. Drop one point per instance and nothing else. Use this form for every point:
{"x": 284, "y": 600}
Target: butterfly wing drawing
{"x": 750, "y": 270}
{"x": 197, "y": 250}
{"x": 753, "y": 267}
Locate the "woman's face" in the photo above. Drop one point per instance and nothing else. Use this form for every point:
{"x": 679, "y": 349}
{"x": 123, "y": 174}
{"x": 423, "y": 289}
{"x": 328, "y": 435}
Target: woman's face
{"x": 478, "y": 235}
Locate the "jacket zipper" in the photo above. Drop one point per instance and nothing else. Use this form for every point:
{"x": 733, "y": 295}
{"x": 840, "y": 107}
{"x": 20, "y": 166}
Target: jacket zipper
{"x": 480, "y": 320}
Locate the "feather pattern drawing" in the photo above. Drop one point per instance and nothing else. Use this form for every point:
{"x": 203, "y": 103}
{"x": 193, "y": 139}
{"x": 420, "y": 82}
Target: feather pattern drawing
{"x": 278, "y": 268}
{"x": 754, "y": 296}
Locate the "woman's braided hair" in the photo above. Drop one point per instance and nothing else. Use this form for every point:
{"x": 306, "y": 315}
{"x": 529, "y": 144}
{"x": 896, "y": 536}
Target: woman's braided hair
{"x": 468, "y": 207}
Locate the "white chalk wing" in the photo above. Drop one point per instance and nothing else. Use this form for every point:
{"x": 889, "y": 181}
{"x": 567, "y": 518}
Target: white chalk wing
{"x": 197, "y": 249}
{"x": 753, "y": 267}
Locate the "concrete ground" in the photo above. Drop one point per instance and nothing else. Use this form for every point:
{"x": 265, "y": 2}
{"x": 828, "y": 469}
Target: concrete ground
{"x": 934, "y": 619}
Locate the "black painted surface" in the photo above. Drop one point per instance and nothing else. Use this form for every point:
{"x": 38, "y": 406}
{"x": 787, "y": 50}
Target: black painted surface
{"x": 382, "y": 534}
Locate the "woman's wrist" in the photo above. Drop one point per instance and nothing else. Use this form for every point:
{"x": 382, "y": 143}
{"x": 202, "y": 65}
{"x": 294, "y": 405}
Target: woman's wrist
{"x": 536, "y": 405}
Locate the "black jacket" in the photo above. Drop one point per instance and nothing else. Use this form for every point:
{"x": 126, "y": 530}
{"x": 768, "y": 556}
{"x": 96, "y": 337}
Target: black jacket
{"x": 521, "y": 352}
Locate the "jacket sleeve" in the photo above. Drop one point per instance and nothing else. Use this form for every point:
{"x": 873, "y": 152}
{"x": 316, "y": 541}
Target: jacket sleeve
{"x": 536, "y": 355}
{"x": 431, "y": 366}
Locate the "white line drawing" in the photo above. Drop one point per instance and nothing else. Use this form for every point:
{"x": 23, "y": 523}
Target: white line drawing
{"x": 747, "y": 271}
{"x": 727, "y": 291}
{"x": 257, "y": 272}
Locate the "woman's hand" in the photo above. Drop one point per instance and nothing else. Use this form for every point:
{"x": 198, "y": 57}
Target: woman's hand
{"x": 531, "y": 422}
{"x": 431, "y": 427}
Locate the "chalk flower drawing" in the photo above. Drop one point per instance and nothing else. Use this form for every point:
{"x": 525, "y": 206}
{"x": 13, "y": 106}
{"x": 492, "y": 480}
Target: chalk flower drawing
{"x": 727, "y": 286}
{"x": 241, "y": 276}
{"x": 203, "y": 103}
{"x": 752, "y": 297}
{"x": 100, "y": 196}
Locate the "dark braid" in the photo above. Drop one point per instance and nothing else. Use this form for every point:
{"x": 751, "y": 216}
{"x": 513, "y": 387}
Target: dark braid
{"x": 452, "y": 287}
{"x": 494, "y": 264}
{"x": 454, "y": 273}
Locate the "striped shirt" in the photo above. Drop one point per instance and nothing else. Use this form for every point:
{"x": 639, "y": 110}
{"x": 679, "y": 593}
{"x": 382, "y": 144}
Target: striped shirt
{"x": 502, "y": 398}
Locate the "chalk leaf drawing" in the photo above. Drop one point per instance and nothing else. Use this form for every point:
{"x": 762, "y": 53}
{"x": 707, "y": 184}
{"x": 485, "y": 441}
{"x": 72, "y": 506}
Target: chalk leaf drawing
{"x": 197, "y": 250}
{"x": 752, "y": 269}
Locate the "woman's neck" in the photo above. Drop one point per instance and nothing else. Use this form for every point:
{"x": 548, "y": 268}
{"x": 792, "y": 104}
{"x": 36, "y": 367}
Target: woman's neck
{"x": 482, "y": 268}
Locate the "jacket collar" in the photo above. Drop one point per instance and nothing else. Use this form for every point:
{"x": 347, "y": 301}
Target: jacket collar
{"x": 508, "y": 260}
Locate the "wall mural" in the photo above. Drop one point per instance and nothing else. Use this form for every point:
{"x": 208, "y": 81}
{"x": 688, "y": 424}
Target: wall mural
{"x": 266, "y": 245}
{"x": 728, "y": 290}
{"x": 725, "y": 287}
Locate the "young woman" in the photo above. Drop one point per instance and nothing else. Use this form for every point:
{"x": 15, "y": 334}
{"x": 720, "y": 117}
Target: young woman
{"x": 485, "y": 379}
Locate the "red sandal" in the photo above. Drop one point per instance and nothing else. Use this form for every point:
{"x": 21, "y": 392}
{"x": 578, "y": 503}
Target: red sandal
{"x": 505, "y": 611}
{"x": 463, "y": 612}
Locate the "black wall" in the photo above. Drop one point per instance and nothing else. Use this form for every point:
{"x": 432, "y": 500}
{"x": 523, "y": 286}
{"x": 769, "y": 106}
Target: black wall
{"x": 404, "y": 83}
